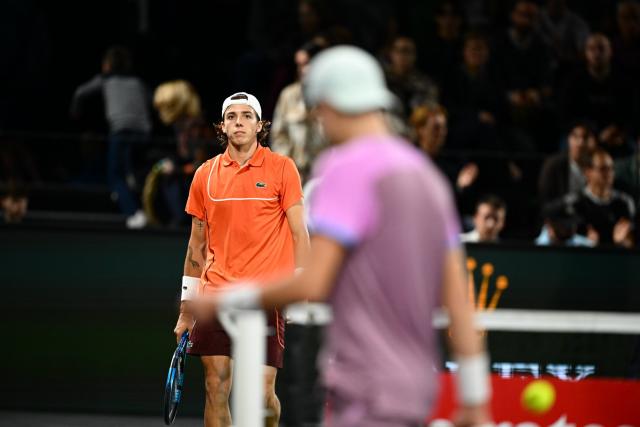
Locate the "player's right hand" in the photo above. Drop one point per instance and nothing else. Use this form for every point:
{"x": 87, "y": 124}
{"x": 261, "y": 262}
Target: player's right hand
{"x": 185, "y": 323}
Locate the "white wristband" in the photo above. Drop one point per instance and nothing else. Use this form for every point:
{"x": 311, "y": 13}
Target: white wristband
{"x": 240, "y": 297}
{"x": 190, "y": 287}
{"x": 473, "y": 383}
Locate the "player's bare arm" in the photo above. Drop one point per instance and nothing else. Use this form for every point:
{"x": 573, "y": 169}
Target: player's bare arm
{"x": 316, "y": 280}
{"x": 300, "y": 234}
{"x": 465, "y": 342}
{"x": 193, "y": 265}
{"x": 196, "y": 249}
{"x": 464, "y": 339}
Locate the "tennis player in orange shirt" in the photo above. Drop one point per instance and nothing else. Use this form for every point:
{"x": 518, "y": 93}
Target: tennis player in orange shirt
{"x": 248, "y": 224}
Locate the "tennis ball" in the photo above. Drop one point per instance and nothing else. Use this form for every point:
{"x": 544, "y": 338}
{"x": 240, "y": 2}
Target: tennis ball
{"x": 538, "y": 396}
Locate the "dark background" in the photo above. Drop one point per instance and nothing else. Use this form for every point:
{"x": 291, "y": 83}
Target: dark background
{"x": 49, "y": 48}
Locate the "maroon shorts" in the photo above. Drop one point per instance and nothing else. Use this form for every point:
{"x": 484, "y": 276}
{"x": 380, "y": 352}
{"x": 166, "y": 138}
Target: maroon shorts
{"x": 210, "y": 339}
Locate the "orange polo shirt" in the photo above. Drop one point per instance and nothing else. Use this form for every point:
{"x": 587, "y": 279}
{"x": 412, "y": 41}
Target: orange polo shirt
{"x": 248, "y": 235}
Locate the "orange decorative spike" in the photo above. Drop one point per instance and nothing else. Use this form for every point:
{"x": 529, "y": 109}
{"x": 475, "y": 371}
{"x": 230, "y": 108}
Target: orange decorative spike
{"x": 471, "y": 266}
{"x": 487, "y": 271}
{"x": 502, "y": 283}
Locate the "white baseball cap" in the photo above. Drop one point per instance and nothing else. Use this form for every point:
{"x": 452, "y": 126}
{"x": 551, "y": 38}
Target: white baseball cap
{"x": 348, "y": 79}
{"x": 243, "y": 98}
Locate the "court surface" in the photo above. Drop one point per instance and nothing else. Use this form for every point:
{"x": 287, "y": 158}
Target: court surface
{"x": 45, "y": 419}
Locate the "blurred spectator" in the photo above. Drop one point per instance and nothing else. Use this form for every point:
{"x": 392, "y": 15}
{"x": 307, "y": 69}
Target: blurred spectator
{"x": 488, "y": 221}
{"x": 127, "y": 112}
{"x": 602, "y": 94}
{"x": 564, "y": 31}
{"x": 293, "y": 132}
{"x": 430, "y": 129}
{"x": 561, "y": 229}
{"x": 429, "y": 123}
{"x": 626, "y": 44}
{"x": 608, "y": 215}
{"x": 562, "y": 173}
{"x": 627, "y": 170}
{"x": 441, "y": 53}
{"x": 525, "y": 66}
{"x": 17, "y": 171}
{"x": 472, "y": 95}
{"x": 525, "y": 60}
{"x": 178, "y": 105}
{"x": 14, "y": 206}
{"x": 411, "y": 86}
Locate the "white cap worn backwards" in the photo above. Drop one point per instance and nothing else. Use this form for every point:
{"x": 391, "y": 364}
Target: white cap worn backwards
{"x": 242, "y": 98}
{"x": 348, "y": 79}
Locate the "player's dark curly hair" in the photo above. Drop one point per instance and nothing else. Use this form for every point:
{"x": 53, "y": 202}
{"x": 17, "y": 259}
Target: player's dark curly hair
{"x": 262, "y": 135}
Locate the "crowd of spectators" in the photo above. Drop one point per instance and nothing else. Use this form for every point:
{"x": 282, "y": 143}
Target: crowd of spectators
{"x": 529, "y": 108}
{"x": 521, "y": 116}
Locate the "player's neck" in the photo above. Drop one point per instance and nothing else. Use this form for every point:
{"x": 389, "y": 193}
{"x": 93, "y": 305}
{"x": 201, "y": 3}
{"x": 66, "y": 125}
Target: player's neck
{"x": 365, "y": 125}
{"x": 242, "y": 153}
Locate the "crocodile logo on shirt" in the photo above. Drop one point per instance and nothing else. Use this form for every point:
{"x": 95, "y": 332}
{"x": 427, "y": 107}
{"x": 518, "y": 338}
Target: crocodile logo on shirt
{"x": 261, "y": 184}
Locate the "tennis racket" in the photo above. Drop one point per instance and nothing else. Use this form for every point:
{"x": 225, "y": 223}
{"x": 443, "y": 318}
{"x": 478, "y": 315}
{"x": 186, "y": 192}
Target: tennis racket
{"x": 175, "y": 380}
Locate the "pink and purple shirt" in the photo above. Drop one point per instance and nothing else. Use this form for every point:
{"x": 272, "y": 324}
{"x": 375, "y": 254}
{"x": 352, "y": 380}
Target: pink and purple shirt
{"x": 388, "y": 204}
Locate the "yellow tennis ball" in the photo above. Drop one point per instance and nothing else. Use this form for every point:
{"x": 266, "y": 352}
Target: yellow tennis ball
{"x": 538, "y": 396}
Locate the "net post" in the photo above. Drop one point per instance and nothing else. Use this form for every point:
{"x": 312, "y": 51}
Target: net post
{"x": 248, "y": 330}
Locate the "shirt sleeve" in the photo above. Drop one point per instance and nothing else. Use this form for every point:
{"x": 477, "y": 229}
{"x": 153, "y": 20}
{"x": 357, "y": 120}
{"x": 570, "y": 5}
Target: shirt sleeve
{"x": 291, "y": 185}
{"x": 83, "y": 92}
{"x": 195, "y": 202}
{"x": 344, "y": 205}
